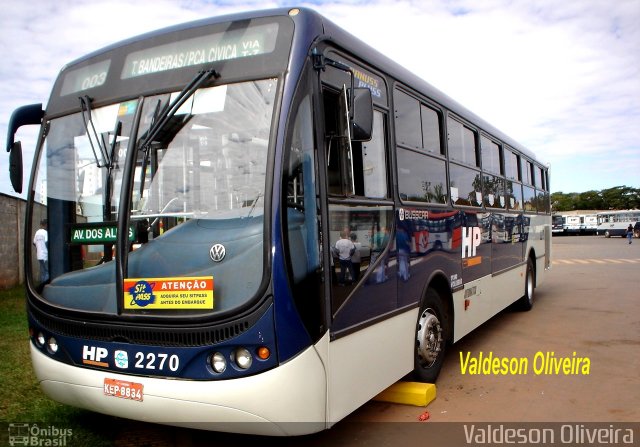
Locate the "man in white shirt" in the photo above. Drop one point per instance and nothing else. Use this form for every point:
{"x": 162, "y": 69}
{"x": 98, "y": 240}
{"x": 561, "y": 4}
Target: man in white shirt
{"x": 344, "y": 249}
{"x": 41, "y": 242}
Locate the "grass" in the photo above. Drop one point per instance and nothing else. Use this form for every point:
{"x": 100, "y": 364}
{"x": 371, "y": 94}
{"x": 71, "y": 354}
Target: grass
{"x": 22, "y": 400}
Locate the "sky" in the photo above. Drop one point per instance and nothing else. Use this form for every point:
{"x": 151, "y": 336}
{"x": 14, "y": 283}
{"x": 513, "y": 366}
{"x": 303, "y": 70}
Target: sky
{"x": 560, "y": 77}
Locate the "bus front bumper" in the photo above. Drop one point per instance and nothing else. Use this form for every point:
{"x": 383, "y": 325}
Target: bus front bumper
{"x": 287, "y": 400}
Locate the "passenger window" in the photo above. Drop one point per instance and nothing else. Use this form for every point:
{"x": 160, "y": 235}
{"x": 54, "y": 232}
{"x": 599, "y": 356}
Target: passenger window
{"x": 527, "y": 172}
{"x": 514, "y": 195}
{"x": 529, "y": 199}
{"x": 466, "y": 186}
{"x": 543, "y": 202}
{"x": 407, "y": 114}
{"x": 538, "y": 177}
{"x": 374, "y": 166}
{"x": 462, "y": 143}
{"x": 493, "y": 191}
{"x": 511, "y": 165}
{"x": 431, "y": 130}
{"x": 490, "y": 156}
{"x": 421, "y": 178}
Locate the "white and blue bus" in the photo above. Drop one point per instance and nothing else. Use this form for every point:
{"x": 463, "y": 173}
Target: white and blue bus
{"x": 616, "y": 223}
{"x": 194, "y": 182}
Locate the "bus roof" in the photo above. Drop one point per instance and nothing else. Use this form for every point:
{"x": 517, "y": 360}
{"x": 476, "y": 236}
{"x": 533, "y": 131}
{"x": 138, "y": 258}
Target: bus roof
{"x": 634, "y": 211}
{"x": 322, "y": 27}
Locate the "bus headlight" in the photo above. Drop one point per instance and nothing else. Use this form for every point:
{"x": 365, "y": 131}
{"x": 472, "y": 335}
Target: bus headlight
{"x": 218, "y": 362}
{"x": 40, "y": 340}
{"x": 52, "y": 345}
{"x": 243, "y": 358}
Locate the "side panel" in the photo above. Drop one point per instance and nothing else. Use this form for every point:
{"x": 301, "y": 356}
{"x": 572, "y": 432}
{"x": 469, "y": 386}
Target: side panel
{"x": 483, "y": 298}
{"x": 364, "y": 363}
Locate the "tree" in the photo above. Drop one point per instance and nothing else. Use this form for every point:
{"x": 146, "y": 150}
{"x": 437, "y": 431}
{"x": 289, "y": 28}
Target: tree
{"x": 589, "y": 200}
{"x": 562, "y": 202}
{"x": 616, "y": 198}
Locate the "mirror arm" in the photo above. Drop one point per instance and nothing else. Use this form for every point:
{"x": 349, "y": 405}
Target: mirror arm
{"x": 320, "y": 62}
{"x": 23, "y": 116}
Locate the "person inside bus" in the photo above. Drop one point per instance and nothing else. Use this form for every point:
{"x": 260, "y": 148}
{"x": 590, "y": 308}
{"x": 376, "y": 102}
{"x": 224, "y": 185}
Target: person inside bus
{"x": 404, "y": 247}
{"x": 379, "y": 241}
{"x": 41, "y": 242}
{"x": 344, "y": 249}
{"x": 356, "y": 257}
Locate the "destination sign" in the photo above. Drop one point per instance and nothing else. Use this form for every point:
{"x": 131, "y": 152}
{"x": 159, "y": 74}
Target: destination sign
{"x": 362, "y": 78}
{"x": 85, "y": 78}
{"x": 97, "y": 234}
{"x": 233, "y": 44}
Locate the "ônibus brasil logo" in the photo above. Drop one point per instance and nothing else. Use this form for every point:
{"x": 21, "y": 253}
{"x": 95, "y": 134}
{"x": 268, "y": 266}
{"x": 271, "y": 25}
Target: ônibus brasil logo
{"x": 142, "y": 293}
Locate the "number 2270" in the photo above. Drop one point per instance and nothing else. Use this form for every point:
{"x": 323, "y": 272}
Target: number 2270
{"x": 157, "y": 361}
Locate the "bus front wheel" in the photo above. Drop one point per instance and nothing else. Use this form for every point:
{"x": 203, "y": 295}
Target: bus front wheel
{"x": 431, "y": 338}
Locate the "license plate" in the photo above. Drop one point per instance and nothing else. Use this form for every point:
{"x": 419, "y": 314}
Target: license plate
{"x": 123, "y": 389}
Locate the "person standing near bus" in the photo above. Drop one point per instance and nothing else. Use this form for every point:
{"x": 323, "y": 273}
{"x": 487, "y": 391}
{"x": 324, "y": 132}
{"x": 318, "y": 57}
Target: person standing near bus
{"x": 630, "y": 233}
{"x": 41, "y": 242}
{"x": 345, "y": 249}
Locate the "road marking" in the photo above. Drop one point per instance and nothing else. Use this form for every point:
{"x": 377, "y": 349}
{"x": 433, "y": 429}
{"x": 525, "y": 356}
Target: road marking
{"x": 595, "y": 261}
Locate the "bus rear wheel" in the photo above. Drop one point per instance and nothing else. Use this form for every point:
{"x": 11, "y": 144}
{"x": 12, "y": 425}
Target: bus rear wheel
{"x": 526, "y": 301}
{"x": 431, "y": 338}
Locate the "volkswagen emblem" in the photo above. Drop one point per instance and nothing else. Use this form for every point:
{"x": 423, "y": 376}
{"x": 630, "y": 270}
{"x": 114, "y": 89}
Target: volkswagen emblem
{"x": 217, "y": 252}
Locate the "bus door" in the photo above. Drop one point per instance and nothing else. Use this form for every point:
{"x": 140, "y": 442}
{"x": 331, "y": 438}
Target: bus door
{"x": 358, "y": 232}
{"x": 360, "y": 224}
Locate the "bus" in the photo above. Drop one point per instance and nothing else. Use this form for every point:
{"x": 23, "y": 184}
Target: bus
{"x": 192, "y": 182}
{"x": 580, "y": 223}
{"x": 590, "y": 223}
{"x": 615, "y": 223}
{"x": 557, "y": 224}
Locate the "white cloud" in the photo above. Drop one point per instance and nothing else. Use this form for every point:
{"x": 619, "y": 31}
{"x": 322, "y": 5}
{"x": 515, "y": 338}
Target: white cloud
{"x": 561, "y": 77}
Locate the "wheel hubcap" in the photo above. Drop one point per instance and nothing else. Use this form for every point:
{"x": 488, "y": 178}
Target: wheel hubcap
{"x": 428, "y": 338}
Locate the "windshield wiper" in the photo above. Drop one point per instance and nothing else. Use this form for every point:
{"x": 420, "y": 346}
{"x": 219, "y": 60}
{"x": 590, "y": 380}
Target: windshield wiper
{"x": 253, "y": 206}
{"x": 85, "y": 107}
{"x": 162, "y": 117}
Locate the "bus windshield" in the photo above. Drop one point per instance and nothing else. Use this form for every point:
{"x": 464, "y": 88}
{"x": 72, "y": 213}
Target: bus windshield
{"x": 201, "y": 177}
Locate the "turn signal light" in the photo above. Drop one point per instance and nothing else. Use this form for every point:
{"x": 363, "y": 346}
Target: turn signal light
{"x": 263, "y": 353}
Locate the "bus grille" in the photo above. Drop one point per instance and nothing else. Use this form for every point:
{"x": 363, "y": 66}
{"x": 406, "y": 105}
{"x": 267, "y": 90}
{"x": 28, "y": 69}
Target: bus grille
{"x": 147, "y": 335}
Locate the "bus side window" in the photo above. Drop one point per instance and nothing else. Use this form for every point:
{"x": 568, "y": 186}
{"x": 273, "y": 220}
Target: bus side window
{"x": 355, "y": 168}
{"x": 374, "y": 166}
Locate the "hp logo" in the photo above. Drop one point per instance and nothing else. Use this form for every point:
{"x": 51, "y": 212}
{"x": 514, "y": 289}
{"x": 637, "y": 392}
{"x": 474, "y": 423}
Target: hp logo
{"x": 217, "y": 252}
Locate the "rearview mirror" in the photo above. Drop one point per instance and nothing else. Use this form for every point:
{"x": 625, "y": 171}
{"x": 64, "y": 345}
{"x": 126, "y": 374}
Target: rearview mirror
{"x": 362, "y": 114}
{"x": 22, "y": 116}
{"x": 15, "y": 166}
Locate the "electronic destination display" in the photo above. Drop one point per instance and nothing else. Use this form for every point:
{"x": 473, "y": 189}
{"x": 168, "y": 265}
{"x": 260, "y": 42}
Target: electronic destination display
{"x": 233, "y": 44}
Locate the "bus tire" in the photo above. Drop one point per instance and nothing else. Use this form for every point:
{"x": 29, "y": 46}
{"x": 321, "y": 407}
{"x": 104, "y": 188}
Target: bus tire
{"x": 607, "y": 234}
{"x": 525, "y": 303}
{"x": 431, "y": 338}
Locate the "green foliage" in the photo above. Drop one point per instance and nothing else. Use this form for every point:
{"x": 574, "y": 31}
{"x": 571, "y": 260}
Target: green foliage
{"x": 616, "y": 198}
{"x": 21, "y": 400}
